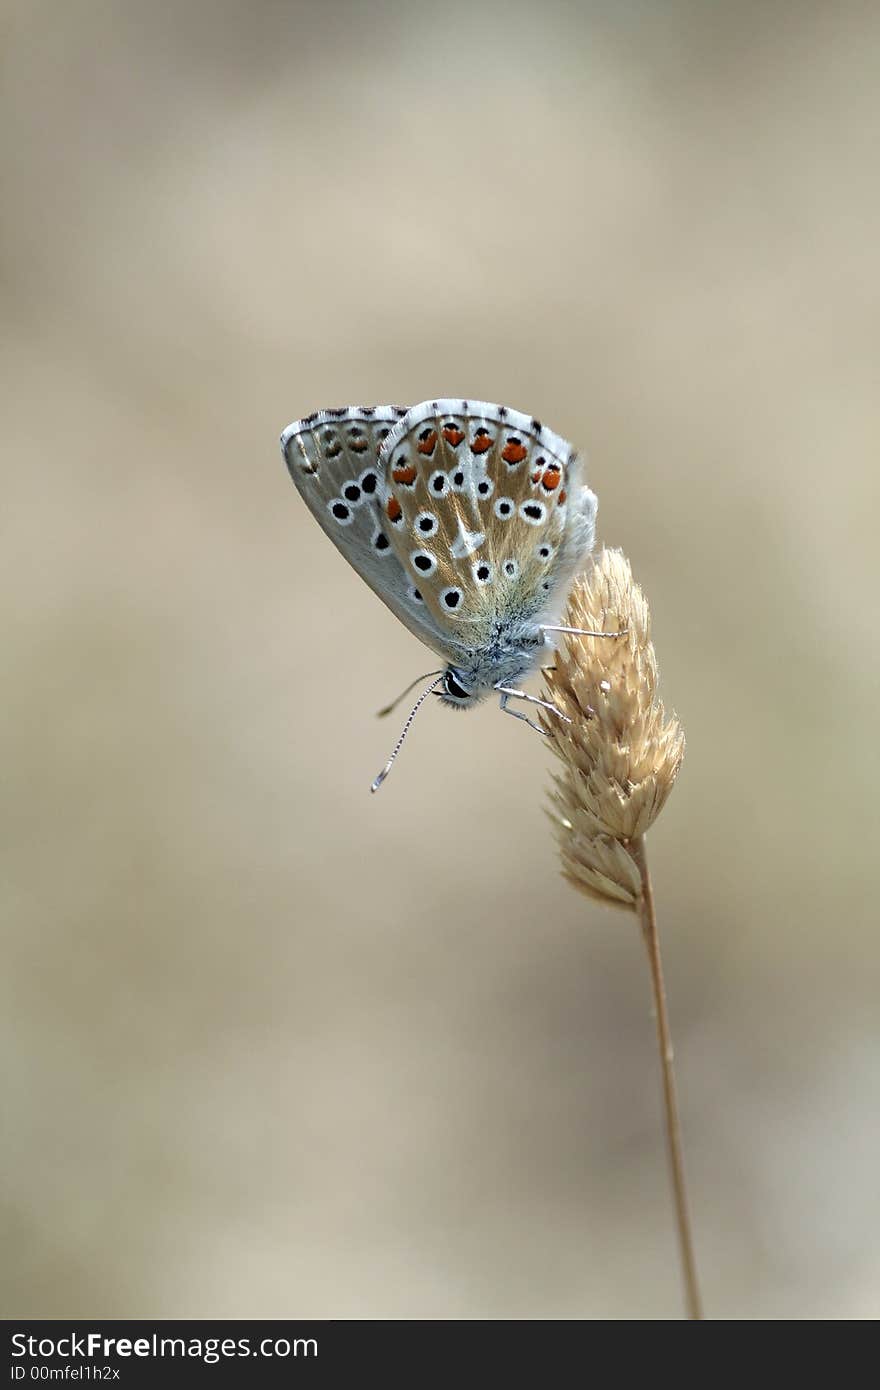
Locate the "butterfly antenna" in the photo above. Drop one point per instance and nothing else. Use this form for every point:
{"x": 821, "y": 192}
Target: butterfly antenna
{"x": 381, "y": 713}
{"x": 583, "y": 632}
{"x": 399, "y": 744}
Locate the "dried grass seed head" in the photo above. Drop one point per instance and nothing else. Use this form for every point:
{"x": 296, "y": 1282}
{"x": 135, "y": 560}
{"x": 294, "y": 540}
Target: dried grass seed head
{"x": 621, "y": 752}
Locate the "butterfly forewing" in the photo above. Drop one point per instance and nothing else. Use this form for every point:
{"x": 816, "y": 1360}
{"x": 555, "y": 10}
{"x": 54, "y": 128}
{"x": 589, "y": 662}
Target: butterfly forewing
{"x": 332, "y": 457}
{"x": 486, "y": 512}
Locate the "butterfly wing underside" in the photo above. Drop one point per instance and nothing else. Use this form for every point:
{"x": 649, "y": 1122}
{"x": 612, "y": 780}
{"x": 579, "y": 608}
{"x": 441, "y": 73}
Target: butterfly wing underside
{"x": 487, "y": 513}
{"x": 332, "y": 457}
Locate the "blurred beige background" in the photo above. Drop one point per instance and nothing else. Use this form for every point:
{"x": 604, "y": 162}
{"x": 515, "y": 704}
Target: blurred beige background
{"x": 272, "y": 1046}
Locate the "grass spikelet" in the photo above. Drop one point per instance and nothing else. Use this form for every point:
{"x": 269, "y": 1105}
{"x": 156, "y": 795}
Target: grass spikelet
{"x": 621, "y": 753}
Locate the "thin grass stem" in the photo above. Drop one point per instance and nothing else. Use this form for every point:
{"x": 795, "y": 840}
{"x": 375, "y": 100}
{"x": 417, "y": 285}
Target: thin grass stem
{"x": 648, "y": 919}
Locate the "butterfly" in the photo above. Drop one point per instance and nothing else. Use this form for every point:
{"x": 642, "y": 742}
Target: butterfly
{"x": 468, "y": 520}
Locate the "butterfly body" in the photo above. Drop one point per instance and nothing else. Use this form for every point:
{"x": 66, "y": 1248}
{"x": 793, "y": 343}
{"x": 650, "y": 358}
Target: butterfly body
{"x": 469, "y": 520}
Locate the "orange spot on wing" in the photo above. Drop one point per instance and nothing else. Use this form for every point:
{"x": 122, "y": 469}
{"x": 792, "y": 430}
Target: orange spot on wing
{"x": 536, "y": 476}
{"x": 482, "y": 444}
{"x": 394, "y": 509}
{"x": 562, "y": 496}
{"x": 427, "y": 446}
{"x": 514, "y": 453}
{"x": 405, "y": 474}
{"x": 453, "y": 436}
{"x": 551, "y": 479}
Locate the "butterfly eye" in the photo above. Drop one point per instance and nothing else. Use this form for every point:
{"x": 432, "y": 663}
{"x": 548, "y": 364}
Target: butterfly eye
{"x": 426, "y": 524}
{"x": 424, "y": 561}
{"x": 454, "y": 687}
{"x": 533, "y": 512}
{"x": 511, "y": 569}
{"x": 340, "y": 512}
{"x": 482, "y": 572}
{"x": 451, "y": 599}
{"x": 438, "y": 484}
{"x": 504, "y": 508}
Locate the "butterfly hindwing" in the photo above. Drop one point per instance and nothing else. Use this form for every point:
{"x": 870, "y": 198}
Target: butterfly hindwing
{"x": 332, "y": 457}
{"x": 487, "y": 513}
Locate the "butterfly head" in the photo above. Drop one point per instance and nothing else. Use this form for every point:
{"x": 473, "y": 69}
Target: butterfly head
{"x": 513, "y": 653}
{"x": 459, "y": 689}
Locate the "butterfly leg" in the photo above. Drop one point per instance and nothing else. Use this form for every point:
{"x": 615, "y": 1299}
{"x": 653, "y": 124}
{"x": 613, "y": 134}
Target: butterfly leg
{"x": 583, "y": 631}
{"x": 505, "y": 709}
{"x": 507, "y": 693}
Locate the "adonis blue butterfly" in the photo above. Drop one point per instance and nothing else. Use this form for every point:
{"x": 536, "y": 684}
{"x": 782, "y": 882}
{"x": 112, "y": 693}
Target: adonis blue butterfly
{"x": 468, "y": 520}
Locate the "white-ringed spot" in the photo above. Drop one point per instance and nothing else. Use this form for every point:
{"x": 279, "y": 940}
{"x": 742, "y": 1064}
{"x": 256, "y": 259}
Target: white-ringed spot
{"x": 533, "y": 512}
{"x": 381, "y": 543}
{"x": 438, "y": 484}
{"x": 368, "y": 482}
{"x": 423, "y": 561}
{"x": 451, "y": 599}
{"x": 482, "y": 572}
{"x": 458, "y": 480}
